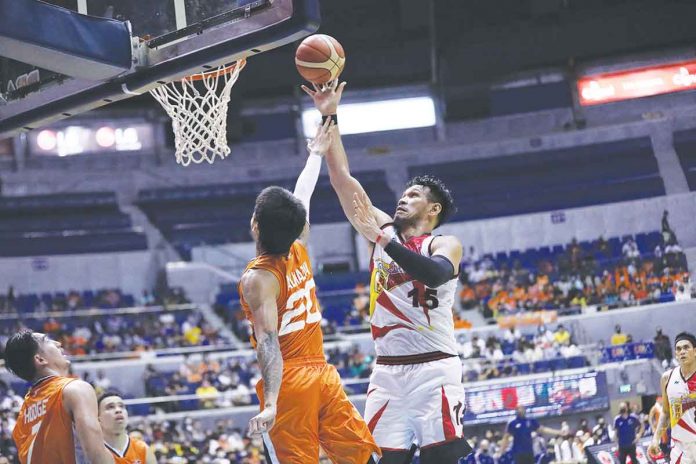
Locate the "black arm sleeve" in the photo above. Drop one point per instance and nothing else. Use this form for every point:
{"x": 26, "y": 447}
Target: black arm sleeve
{"x": 433, "y": 271}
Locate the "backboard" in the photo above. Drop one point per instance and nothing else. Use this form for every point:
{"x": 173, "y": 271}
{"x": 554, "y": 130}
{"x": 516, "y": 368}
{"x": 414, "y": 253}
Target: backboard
{"x": 171, "y": 39}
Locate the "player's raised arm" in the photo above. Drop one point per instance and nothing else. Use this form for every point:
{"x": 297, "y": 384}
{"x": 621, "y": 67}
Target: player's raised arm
{"x": 81, "y": 402}
{"x": 260, "y": 289}
{"x": 326, "y": 100}
{"x": 307, "y": 180}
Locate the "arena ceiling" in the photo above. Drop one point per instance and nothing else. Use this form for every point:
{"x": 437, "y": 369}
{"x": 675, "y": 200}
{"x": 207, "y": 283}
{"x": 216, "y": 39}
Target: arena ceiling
{"x": 476, "y": 42}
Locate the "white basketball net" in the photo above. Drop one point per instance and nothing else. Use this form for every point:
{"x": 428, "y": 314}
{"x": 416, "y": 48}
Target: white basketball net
{"x": 199, "y": 119}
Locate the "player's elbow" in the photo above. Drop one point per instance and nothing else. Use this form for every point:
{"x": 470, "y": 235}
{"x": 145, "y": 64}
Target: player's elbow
{"x": 266, "y": 339}
{"x": 339, "y": 177}
{"x": 98, "y": 454}
{"x": 435, "y": 281}
{"x": 92, "y": 443}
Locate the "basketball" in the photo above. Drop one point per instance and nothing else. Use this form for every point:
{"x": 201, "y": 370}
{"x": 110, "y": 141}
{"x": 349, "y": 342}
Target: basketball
{"x": 320, "y": 58}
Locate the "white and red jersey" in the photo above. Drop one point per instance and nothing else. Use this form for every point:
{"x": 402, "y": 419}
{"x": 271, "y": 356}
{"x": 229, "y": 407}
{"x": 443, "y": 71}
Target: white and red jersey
{"x": 681, "y": 394}
{"x": 407, "y": 317}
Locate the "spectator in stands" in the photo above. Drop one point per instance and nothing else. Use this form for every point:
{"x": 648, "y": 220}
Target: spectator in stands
{"x": 235, "y": 393}
{"x": 472, "y": 256}
{"x": 146, "y": 299}
{"x": 361, "y": 301}
{"x": 629, "y": 429}
{"x": 574, "y": 255}
{"x": 207, "y": 393}
{"x": 667, "y": 233}
{"x": 10, "y": 300}
{"x": 570, "y": 351}
{"x": 174, "y": 386}
{"x": 512, "y": 335}
{"x": 544, "y": 337}
{"x": 630, "y": 249}
{"x": 673, "y": 247}
{"x": 102, "y": 383}
{"x": 207, "y": 366}
{"x": 602, "y": 248}
{"x": 618, "y": 338}
{"x": 601, "y": 430}
{"x": 467, "y": 297}
{"x": 478, "y": 274}
{"x": 483, "y": 456}
{"x": 663, "y": 348}
{"x": 547, "y": 456}
{"x": 520, "y": 431}
{"x": 73, "y": 301}
{"x": 561, "y": 336}
{"x": 578, "y": 447}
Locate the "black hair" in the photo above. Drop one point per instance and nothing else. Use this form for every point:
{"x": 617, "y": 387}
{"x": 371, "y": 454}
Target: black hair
{"x": 280, "y": 217}
{"x": 106, "y": 395}
{"x": 685, "y": 336}
{"x": 438, "y": 193}
{"x": 20, "y": 350}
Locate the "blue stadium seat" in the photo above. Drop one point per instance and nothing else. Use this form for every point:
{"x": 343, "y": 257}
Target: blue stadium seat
{"x": 216, "y": 214}
{"x": 553, "y": 179}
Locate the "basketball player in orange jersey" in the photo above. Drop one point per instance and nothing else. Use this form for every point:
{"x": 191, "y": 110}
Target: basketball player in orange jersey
{"x": 303, "y": 405}
{"x": 113, "y": 417}
{"x": 654, "y": 415}
{"x": 679, "y": 403}
{"x": 57, "y": 423}
{"x": 415, "y": 394}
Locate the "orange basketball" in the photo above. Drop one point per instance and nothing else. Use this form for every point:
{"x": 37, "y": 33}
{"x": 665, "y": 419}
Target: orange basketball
{"x": 320, "y": 58}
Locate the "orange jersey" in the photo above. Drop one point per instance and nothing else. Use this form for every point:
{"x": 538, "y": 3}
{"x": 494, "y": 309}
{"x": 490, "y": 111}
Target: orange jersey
{"x": 299, "y": 315}
{"x": 44, "y": 430}
{"x": 135, "y": 452}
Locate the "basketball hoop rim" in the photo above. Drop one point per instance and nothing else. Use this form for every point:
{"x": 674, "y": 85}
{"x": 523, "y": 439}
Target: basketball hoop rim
{"x": 229, "y": 69}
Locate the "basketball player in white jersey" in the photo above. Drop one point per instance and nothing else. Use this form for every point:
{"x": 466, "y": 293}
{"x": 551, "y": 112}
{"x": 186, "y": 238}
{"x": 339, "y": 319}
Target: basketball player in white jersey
{"x": 415, "y": 394}
{"x": 679, "y": 398}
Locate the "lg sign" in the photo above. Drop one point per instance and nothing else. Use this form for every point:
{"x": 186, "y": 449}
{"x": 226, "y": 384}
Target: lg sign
{"x": 73, "y": 140}
{"x": 636, "y": 83}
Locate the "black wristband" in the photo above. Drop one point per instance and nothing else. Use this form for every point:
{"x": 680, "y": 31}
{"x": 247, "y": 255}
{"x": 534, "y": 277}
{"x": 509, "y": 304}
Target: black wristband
{"x": 333, "y": 117}
{"x": 432, "y": 271}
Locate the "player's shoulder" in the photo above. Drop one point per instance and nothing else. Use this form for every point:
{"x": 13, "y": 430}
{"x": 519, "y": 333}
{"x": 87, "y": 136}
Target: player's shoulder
{"x": 257, "y": 280}
{"x": 138, "y": 444}
{"x": 76, "y": 391}
{"x": 449, "y": 241}
{"x": 666, "y": 375}
{"x": 298, "y": 251}
{"x": 77, "y": 387}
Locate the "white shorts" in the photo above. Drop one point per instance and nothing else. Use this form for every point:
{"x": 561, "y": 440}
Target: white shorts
{"x": 416, "y": 403}
{"x": 682, "y": 453}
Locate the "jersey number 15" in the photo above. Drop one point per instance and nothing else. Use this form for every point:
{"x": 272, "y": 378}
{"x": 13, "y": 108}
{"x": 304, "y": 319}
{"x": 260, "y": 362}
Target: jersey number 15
{"x": 423, "y": 297}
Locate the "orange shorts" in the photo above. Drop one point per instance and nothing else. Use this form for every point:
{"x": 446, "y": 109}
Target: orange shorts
{"x": 313, "y": 411}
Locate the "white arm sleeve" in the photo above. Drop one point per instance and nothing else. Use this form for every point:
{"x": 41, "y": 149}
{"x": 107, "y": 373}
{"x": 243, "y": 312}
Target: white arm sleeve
{"x": 307, "y": 180}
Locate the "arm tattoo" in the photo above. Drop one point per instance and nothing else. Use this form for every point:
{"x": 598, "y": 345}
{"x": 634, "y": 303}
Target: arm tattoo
{"x": 271, "y": 363}
{"x": 662, "y": 423}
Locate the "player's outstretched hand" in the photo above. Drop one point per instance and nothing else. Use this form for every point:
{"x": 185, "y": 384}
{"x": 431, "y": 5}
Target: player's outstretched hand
{"x": 364, "y": 219}
{"x": 322, "y": 141}
{"x": 263, "y": 422}
{"x": 326, "y": 97}
{"x": 654, "y": 449}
